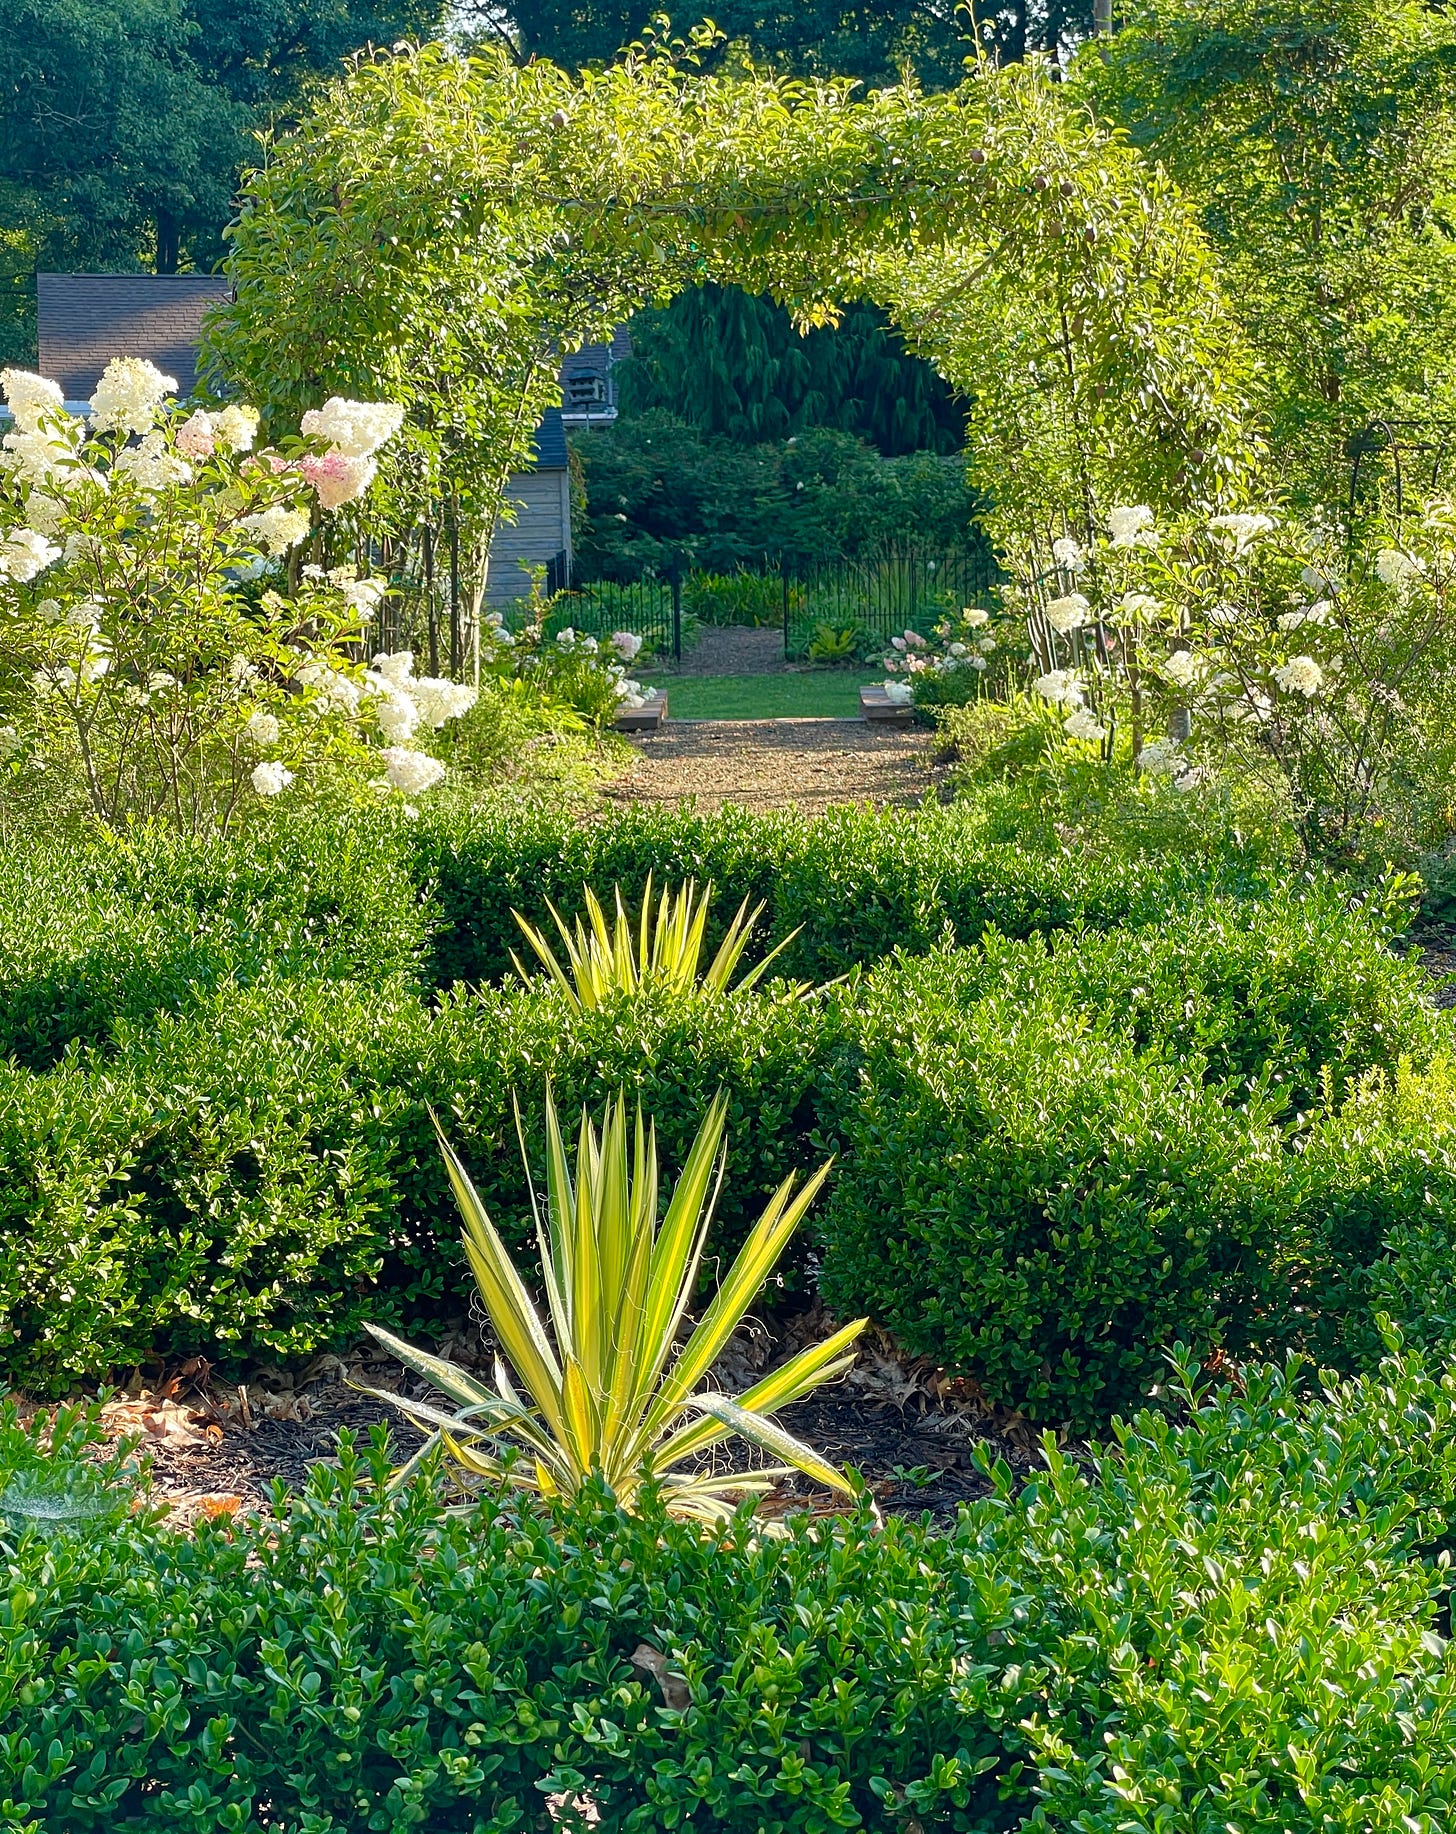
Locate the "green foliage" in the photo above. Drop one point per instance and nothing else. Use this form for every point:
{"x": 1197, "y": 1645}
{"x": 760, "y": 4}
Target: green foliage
{"x": 664, "y": 950}
{"x": 1084, "y": 1147}
{"x": 1317, "y": 147}
{"x": 659, "y": 491}
{"x": 179, "y": 88}
{"x": 756, "y": 379}
{"x": 1242, "y": 1607}
{"x": 753, "y": 599}
{"x": 834, "y": 642}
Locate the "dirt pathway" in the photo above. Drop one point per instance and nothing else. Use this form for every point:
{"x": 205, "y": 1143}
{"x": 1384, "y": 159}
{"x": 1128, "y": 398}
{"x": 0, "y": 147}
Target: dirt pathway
{"x": 734, "y": 649}
{"x": 778, "y": 764}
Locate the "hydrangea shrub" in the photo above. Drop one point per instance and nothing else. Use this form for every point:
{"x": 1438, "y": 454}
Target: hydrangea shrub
{"x": 163, "y": 649}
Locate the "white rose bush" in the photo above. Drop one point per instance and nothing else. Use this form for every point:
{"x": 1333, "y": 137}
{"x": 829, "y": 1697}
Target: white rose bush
{"x": 163, "y": 655}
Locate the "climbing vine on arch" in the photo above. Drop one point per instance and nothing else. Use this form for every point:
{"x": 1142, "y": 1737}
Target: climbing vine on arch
{"x": 441, "y": 229}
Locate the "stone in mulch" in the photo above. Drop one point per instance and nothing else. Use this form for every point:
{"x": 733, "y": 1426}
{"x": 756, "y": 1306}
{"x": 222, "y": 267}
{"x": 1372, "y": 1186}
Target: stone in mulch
{"x": 782, "y": 764}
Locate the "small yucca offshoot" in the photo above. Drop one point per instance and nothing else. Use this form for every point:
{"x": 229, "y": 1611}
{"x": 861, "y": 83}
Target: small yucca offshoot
{"x": 605, "y": 1390}
{"x": 663, "y": 949}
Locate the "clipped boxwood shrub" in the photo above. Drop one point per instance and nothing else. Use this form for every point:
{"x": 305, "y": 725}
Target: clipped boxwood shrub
{"x": 1029, "y": 1199}
{"x": 260, "y": 1173}
{"x": 1234, "y": 1618}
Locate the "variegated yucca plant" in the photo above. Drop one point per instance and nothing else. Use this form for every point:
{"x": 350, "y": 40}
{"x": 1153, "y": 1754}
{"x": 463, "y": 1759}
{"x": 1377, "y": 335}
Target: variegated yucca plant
{"x": 663, "y": 948}
{"x": 599, "y": 1388}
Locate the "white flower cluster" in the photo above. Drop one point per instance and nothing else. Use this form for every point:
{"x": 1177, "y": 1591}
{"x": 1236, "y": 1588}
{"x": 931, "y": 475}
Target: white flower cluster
{"x": 1183, "y": 668}
{"x": 1305, "y": 614}
{"x": 1242, "y": 529}
{"x": 24, "y": 554}
{"x": 1132, "y": 526}
{"x": 1062, "y": 687}
{"x": 405, "y": 701}
{"x": 1069, "y": 613}
{"x": 31, "y": 398}
{"x": 151, "y": 465}
{"x": 230, "y": 429}
{"x": 1300, "y": 675}
{"x": 362, "y": 596}
{"x": 1084, "y": 724}
{"x": 128, "y": 396}
{"x": 1397, "y": 569}
{"x": 278, "y": 528}
{"x": 271, "y": 779}
{"x": 1161, "y": 758}
{"x": 354, "y": 430}
{"x": 627, "y": 644}
{"x": 411, "y": 771}
{"x": 1068, "y": 554}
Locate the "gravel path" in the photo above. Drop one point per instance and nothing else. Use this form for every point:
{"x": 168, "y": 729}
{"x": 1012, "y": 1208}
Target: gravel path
{"x": 778, "y": 764}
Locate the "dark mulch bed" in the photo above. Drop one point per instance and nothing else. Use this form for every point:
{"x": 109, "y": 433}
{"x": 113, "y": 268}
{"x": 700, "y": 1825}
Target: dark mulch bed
{"x": 216, "y": 1446}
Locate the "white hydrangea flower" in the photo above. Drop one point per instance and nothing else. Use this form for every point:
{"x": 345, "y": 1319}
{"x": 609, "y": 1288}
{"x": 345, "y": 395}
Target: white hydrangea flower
{"x": 1224, "y": 615}
{"x": 395, "y": 667}
{"x": 1160, "y": 758}
{"x": 1069, "y": 613}
{"x": 37, "y": 458}
{"x": 1242, "y": 528}
{"x": 1133, "y": 606}
{"x": 1305, "y": 614}
{"x": 411, "y": 771}
{"x": 1300, "y": 675}
{"x": 1183, "y": 668}
{"x": 398, "y": 713}
{"x": 336, "y": 692}
{"x": 362, "y": 596}
{"x": 270, "y": 778}
{"x": 235, "y": 427}
{"x": 128, "y": 395}
{"x": 197, "y": 436}
{"x": 439, "y": 700}
{"x": 629, "y": 693}
{"x": 1084, "y": 724}
{"x": 278, "y": 529}
{"x": 354, "y": 428}
{"x": 627, "y": 644}
{"x": 1062, "y": 687}
{"x": 1131, "y": 526}
{"x": 338, "y": 477}
{"x": 151, "y": 465}
{"x": 30, "y": 398}
{"x": 10, "y": 744}
{"x": 44, "y": 513}
{"x": 898, "y": 693}
{"x": 1068, "y": 554}
{"x": 973, "y": 617}
{"x": 24, "y": 554}
{"x": 263, "y": 729}
{"x": 1397, "y": 569}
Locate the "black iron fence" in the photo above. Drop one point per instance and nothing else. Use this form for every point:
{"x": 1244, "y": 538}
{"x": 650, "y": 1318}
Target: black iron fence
{"x": 835, "y": 609}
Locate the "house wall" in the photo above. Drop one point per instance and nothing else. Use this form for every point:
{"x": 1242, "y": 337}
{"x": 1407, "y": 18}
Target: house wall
{"x": 541, "y": 531}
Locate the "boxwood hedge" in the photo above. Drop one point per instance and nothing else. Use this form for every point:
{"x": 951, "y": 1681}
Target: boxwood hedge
{"x": 1106, "y": 1116}
{"x": 1231, "y": 1618}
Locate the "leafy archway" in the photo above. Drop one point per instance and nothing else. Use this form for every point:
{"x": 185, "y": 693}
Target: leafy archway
{"x": 440, "y": 230}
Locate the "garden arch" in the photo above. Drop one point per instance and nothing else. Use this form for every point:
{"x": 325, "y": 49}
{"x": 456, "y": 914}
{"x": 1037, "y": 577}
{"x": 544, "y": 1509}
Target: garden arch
{"x": 441, "y": 229}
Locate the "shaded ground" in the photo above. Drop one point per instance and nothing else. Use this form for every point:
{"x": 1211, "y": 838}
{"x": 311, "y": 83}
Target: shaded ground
{"x": 774, "y": 764}
{"x": 733, "y": 650}
{"x": 215, "y": 1448}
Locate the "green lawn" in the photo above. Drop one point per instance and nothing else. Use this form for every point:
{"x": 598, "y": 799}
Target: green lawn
{"x": 816, "y": 694}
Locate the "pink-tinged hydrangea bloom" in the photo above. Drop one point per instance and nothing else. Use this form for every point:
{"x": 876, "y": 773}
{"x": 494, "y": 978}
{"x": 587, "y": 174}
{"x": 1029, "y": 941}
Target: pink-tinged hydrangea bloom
{"x": 197, "y": 437}
{"x": 338, "y": 477}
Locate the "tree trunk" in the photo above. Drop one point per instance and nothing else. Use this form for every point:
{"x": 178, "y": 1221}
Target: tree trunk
{"x": 169, "y": 235}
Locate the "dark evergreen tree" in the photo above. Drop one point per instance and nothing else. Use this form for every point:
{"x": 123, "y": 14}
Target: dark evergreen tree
{"x": 733, "y": 366}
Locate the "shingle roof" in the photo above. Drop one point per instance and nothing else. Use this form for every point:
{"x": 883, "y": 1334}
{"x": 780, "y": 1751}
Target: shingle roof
{"x": 87, "y": 319}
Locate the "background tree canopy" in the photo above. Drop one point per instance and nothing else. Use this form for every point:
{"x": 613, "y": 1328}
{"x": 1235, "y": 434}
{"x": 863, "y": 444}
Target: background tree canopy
{"x": 124, "y": 124}
{"x": 1317, "y": 145}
